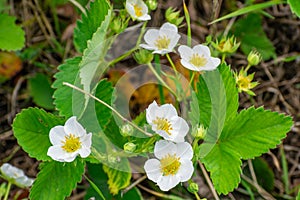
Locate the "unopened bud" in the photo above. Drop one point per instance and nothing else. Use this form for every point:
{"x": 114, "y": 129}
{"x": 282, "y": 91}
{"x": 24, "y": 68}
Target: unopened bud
{"x": 193, "y": 187}
{"x": 129, "y": 147}
{"x": 152, "y": 4}
{"x": 173, "y": 16}
{"x": 199, "y": 132}
{"x": 226, "y": 45}
{"x": 254, "y": 58}
{"x": 143, "y": 56}
{"x": 126, "y": 130}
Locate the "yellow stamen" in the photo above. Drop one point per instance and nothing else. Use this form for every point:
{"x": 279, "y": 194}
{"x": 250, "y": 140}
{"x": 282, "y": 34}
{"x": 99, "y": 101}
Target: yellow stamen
{"x": 71, "y": 143}
{"x": 162, "y": 42}
{"x": 137, "y": 10}
{"x": 163, "y": 124}
{"x": 197, "y": 60}
{"x": 169, "y": 165}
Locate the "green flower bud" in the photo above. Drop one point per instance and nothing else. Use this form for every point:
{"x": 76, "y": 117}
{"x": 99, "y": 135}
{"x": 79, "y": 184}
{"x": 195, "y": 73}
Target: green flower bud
{"x": 193, "y": 187}
{"x": 129, "y": 147}
{"x": 118, "y": 24}
{"x": 126, "y": 130}
{"x": 199, "y": 132}
{"x": 143, "y": 56}
{"x": 173, "y": 16}
{"x": 226, "y": 45}
{"x": 254, "y": 58}
{"x": 152, "y": 4}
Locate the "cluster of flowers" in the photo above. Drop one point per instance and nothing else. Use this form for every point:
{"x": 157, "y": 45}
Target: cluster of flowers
{"x": 165, "y": 39}
{"x": 173, "y": 155}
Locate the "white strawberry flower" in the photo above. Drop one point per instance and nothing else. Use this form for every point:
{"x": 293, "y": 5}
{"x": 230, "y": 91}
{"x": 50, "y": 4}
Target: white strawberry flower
{"x": 137, "y": 10}
{"x": 172, "y": 164}
{"x": 15, "y": 175}
{"x": 198, "y": 58}
{"x": 166, "y": 122}
{"x": 68, "y": 141}
{"x": 162, "y": 41}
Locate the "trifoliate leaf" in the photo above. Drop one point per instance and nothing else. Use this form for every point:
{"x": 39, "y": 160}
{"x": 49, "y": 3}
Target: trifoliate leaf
{"x": 41, "y": 91}
{"x": 56, "y": 180}
{"x": 249, "y": 30}
{"x": 295, "y": 6}
{"x": 118, "y": 179}
{"x": 31, "y": 128}
{"x": 90, "y": 23}
{"x": 63, "y": 95}
{"x": 251, "y": 133}
{"x": 12, "y": 37}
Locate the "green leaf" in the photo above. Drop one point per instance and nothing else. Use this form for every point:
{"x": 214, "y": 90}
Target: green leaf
{"x": 264, "y": 174}
{"x": 224, "y": 165}
{"x": 249, "y": 30}
{"x": 90, "y": 23}
{"x": 251, "y": 133}
{"x": 99, "y": 177}
{"x": 117, "y": 179}
{"x": 56, "y": 180}
{"x": 295, "y": 6}
{"x": 63, "y": 95}
{"x": 12, "y": 37}
{"x": 93, "y": 64}
{"x": 31, "y": 127}
{"x": 255, "y": 131}
{"x": 248, "y": 9}
{"x": 298, "y": 195}
{"x": 217, "y": 98}
{"x": 194, "y": 115}
{"x": 41, "y": 91}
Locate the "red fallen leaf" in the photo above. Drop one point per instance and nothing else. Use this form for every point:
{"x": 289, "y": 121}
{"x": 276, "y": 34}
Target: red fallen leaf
{"x": 10, "y": 65}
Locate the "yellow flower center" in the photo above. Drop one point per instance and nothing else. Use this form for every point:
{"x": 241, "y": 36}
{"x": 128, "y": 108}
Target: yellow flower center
{"x": 137, "y": 10}
{"x": 162, "y": 42}
{"x": 169, "y": 165}
{"x": 244, "y": 83}
{"x": 163, "y": 124}
{"x": 197, "y": 60}
{"x": 71, "y": 143}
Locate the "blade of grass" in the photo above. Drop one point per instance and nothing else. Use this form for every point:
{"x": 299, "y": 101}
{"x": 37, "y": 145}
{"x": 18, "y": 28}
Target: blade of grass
{"x": 248, "y": 9}
{"x": 285, "y": 175}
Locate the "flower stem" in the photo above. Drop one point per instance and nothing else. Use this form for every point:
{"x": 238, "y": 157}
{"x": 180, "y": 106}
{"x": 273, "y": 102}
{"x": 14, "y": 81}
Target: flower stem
{"x": 160, "y": 88}
{"x": 223, "y": 58}
{"x": 108, "y": 106}
{"x": 160, "y": 79}
{"x": 126, "y": 54}
{"x": 197, "y": 196}
{"x": 172, "y": 64}
{"x": 7, "y": 191}
{"x": 211, "y": 187}
{"x": 248, "y": 67}
{"x": 192, "y": 79}
{"x": 95, "y": 187}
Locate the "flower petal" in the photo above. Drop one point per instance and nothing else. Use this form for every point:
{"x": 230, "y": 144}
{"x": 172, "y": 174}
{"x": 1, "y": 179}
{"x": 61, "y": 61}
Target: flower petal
{"x": 216, "y": 61}
{"x": 163, "y": 148}
{"x": 189, "y": 65}
{"x": 186, "y": 170}
{"x": 57, "y": 135}
{"x": 168, "y": 182}
{"x": 174, "y": 40}
{"x": 201, "y": 50}
{"x": 151, "y": 36}
{"x": 152, "y": 169}
{"x": 86, "y": 143}
{"x": 185, "y": 52}
{"x": 180, "y": 127}
{"x": 167, "y": 111}
{"x": 184, "y": 150}
{"x": 151, "y": 112}
{"x": 144, "y": 17}
{"x": 58, "y": 154}
{"x": 72, "y": 126}
{"x": 168, "y": 27}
